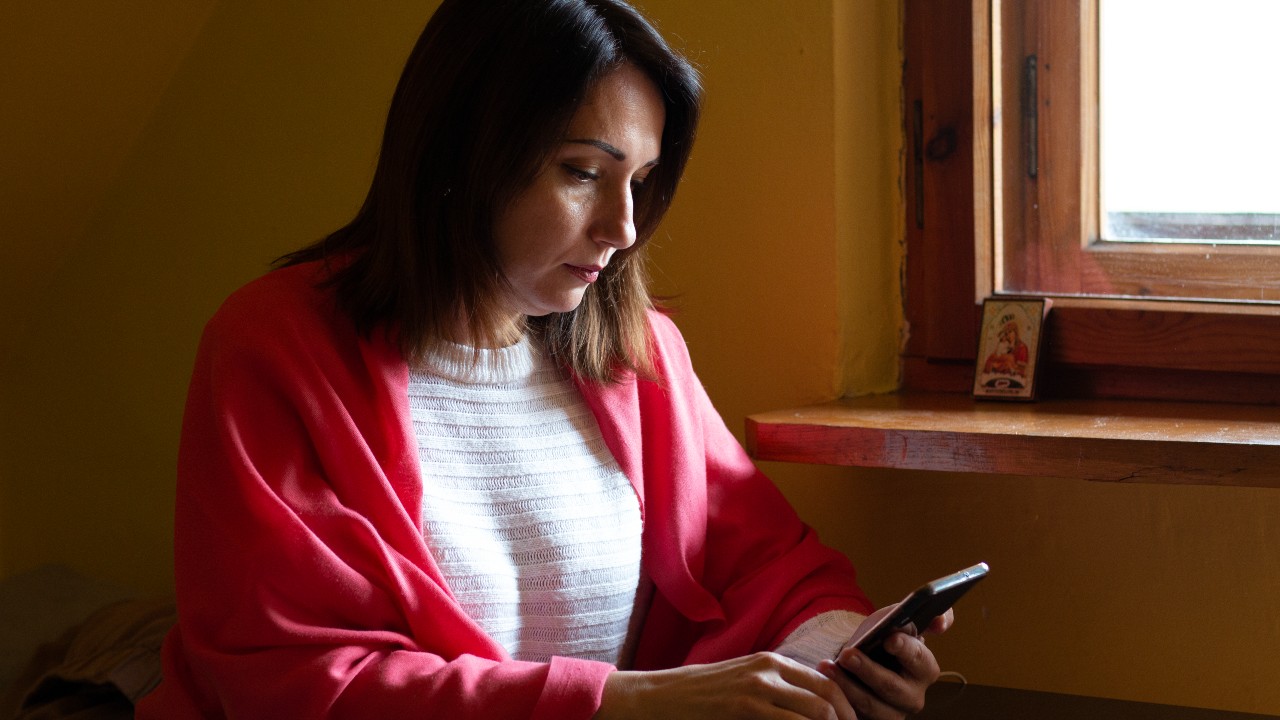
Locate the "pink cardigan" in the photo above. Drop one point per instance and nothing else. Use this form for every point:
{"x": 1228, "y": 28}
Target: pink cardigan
{"x": 305, "y": 588}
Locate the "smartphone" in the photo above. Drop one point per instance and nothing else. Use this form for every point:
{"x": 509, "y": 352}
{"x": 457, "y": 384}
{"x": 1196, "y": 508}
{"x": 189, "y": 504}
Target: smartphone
{"x": 916, "y": 611}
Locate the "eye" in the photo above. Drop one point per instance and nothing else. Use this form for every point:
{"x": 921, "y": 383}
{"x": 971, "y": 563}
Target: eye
{"x": 580, "y": 174}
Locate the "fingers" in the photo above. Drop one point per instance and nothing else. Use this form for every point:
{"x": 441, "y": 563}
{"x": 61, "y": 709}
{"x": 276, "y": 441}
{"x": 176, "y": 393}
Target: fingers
{"x": 878, "y": 692}
{"x": 813, "y": 694}
{"x": 917, "y": 660}
{"x": 941, "y": 623}
{"x": 864, "y": 701}
{"x": 764, "y": 686}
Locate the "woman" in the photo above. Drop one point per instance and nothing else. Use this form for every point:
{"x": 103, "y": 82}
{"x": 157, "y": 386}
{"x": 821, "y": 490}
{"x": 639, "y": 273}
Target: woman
{"x": 449, "y": 462}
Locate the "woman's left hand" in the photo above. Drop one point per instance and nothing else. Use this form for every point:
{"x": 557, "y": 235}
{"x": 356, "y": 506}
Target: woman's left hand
{"x": 879, "y": 693}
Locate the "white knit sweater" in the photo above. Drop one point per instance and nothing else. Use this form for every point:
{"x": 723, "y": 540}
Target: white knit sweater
{"x": 532, "y": 522}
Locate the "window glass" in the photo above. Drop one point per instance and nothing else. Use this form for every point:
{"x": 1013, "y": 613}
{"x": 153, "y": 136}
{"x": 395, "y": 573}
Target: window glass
{"x": 1190, "y": 120}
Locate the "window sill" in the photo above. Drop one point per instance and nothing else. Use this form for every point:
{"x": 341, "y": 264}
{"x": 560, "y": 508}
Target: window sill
{"x": 956, "y": 701}
{"x": 1104, "y": 440}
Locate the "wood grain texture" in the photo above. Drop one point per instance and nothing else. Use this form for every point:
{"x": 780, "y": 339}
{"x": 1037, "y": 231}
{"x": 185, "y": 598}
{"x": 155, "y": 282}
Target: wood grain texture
{"x": 1113, "y": 441}
{"x": 940, "y": 223}
{"x": 1215, "y": 338}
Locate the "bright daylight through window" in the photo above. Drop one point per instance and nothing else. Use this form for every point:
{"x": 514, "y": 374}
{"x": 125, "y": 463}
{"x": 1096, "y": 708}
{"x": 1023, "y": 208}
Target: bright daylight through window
{"x": 1189, "y": 115}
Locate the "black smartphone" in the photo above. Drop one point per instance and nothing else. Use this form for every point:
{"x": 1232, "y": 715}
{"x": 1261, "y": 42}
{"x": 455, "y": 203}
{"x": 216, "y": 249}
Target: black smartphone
{"x": 916, "y": 611}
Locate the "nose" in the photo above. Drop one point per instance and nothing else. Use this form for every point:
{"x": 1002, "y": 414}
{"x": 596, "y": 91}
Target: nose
{"x": 615, "y": 224}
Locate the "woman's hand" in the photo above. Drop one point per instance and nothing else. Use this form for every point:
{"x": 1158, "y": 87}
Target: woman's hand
{"x": 764, "y": 685}
{"x": 878, "y": 693}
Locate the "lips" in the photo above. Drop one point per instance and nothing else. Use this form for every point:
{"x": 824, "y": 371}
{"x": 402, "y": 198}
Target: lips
{"x": 586, "y": 273}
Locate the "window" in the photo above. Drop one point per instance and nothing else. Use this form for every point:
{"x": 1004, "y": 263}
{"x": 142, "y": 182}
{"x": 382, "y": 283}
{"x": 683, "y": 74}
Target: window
{"x": 1134, "y": 150}
{"x": 1187, "y": 111}
{"x": 1214, "y": 332}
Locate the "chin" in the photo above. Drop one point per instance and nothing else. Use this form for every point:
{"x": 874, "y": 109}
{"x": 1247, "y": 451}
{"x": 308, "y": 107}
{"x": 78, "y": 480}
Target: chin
{"x": 559, "y": 305}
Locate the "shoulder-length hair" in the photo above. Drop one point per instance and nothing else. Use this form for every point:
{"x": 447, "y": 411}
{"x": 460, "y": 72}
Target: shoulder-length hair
{"x": 484, "y": 100}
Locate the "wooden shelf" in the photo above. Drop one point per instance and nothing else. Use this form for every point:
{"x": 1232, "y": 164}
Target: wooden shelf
{"x": 946, "y": 700}
{"x": 1106, "y": 440}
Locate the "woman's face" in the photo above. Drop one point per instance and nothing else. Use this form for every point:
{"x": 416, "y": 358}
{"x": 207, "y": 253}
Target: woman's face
{"x": 562, "y": 230}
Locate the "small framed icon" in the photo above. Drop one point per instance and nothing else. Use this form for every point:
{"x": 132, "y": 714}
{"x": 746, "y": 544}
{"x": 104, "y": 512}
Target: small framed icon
{"x": 1009, "y": 343}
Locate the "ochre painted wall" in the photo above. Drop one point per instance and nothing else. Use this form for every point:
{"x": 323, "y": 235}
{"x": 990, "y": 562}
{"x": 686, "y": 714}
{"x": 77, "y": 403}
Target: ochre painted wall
{"x": 251, "y": 130}
{"x": 156, "y": 158}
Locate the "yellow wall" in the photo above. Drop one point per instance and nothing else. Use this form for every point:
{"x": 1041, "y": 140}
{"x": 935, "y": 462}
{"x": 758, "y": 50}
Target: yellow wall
{"x": 176, "y": 151}
{"x": 157, "y": 158}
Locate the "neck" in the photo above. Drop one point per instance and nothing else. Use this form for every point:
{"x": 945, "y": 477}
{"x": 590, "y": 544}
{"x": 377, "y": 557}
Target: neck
{"x": 503, "y": 334}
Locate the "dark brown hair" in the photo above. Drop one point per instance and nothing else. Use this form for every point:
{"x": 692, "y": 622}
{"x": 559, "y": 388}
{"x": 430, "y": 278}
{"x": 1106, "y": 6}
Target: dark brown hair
{"x": 485, "y": 98}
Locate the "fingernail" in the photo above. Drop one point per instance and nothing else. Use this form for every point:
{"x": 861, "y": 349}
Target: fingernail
{"x": 853, "y": 660}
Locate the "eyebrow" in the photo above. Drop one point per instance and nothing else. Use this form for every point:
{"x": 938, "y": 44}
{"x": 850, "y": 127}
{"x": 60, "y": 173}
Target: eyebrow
{"x": 614, "y": 152}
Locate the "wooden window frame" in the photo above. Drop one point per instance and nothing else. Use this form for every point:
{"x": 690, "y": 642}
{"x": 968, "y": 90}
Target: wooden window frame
{"x": 1197, "y": 351}
{"x": 1047, "y": 181}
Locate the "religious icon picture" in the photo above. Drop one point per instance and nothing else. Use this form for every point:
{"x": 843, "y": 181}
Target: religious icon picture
{"x": 1009, "y": 348}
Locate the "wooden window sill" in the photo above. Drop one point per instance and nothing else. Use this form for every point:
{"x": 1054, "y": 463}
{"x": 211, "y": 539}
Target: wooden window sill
{"x": 1106, "y": 440}
{"x": 952, "y": 701}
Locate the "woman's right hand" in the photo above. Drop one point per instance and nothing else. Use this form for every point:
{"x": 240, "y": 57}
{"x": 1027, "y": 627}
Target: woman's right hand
{"x": 763, "y": 685}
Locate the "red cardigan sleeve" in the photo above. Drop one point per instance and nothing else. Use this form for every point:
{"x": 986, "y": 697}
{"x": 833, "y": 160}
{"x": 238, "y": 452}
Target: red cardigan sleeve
{"x": 304, "y": 587}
